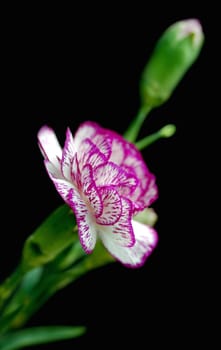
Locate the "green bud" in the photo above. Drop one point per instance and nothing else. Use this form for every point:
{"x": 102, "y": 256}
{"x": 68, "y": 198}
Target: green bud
{"x": 54, "y": 235}
{"x": 165, "y": 132}
{"x": 147, "y": 217}
{"x": 174, "y": 53}
{"x": 168, "y": 130}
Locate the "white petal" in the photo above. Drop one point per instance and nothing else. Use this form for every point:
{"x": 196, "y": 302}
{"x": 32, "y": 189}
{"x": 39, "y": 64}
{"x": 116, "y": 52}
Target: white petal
{"x": 62, "y": 185}
{"x": 135, "y": 256}
{"x": 85, "y": 130}
{"x": 85, "y": 221}
{"x": 112, "y": 208}
{"x": 88, "y": 153}
{"x": 49, "y": 145}
{"x": 75, "y": 172}
{"x": 121, "y": 233}
{"x": 53, "y": 171}
{"x": 103, "y": 143}
{"x": 69, "y": 151}
{"x": 117, "y": 155}
{"x": 151, "y": 193}
{"x": 90, "y": 190}
{"x": 112, "y": 174}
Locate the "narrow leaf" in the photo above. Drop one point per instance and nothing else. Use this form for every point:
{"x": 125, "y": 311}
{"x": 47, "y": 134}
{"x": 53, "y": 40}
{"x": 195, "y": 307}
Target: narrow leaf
{"x": 39, "y": 335}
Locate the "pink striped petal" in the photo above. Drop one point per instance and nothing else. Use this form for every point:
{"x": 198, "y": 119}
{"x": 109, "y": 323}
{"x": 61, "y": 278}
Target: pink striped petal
{"x": 88, "y": 153}
{"x": 98, "y": 135}
{"x": 90, "y": 191}
{"x": 117, "y": 155}
{"x": 49, "y": 145}
{"x": 62, "y": 185}
{"x": 85, "y": 130}
{"x": 103, "y": 143}
{"x": 112, "y": 174}
{"x": 135, "y": 256}
{"x": 69, "y": 151}
{"x": 121, "y": 233}
{"x": 150, "y": 194}
{"x": 85, "y": 221}
{"x": 133, "y": 160}
{"x": 105, "y": 180}
{"x": 112, "y": 207}
{"x": 139, "y": 168}
{"x": 75, "y": 172}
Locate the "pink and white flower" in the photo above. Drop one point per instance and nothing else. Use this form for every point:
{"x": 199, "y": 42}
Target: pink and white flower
{"x": 106, "y": 182}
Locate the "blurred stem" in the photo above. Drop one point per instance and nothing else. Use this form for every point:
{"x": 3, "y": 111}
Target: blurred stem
{"x": 39, "y": 284}
{"x": 134, "y": 128}
{"x": 165, "y": 132}
{"x": 9, "y": 286}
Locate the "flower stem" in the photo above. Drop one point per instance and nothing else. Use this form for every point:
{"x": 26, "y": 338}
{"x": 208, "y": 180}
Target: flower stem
{"x": 9, "y": 286}
{"x": 165, "y": 132}
{"x": 40, "y": 283}
{"x": 134, "y": 128}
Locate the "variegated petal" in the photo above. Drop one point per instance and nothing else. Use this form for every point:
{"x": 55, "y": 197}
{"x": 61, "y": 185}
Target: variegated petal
{"x": 90, "y": 191}
{"x": 89, "y": 153}
{"x": 112, "y": 208}
{"x": 85, "y": 130}
{"x": 112, "y": 174}
{"x": 103, "y": 143}
{"x": 62, "y": 185}
{"x": 135, "y": 256}
{"x": 117, "y": 155}
{"x": 75, "y": 172}
{"x": 121, "y": 233}
{"x": 69, "y": 151}
{"x": 85, "y": 221}
{"x": 49, "y": 145}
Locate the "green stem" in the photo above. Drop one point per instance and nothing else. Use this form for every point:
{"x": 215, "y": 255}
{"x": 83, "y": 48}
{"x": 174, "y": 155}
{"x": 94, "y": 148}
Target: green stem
{"x": 26, "y": 303}
{"x": 146, "y": 141}
{"x": 55, "y": 276}
{"x": 9, "y": 286}
{"x": 134, "y": 128}
{"x": 165, "y": 132}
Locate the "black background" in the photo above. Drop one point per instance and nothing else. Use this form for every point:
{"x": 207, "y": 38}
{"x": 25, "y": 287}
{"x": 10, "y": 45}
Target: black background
{"x": 62, "y": 66}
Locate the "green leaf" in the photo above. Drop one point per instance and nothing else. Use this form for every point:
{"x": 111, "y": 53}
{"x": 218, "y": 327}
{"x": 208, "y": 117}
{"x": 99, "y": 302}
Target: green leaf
{"x": 39, "y": 335}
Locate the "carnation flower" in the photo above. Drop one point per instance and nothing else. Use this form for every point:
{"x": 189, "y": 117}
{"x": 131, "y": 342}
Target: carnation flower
{"x": 106, "y": 182}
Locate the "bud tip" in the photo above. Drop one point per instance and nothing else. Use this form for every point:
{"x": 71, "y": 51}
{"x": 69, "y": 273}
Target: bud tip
{"x": 192, "y": 28}
{"x": 168, "y": 130}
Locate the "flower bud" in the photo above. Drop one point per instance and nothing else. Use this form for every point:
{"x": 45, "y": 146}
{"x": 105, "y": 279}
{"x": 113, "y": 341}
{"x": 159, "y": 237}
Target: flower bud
{"x": 174, "y": 53}
{"x": 147, "y": 217}
{"x": 50, "y": 238}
